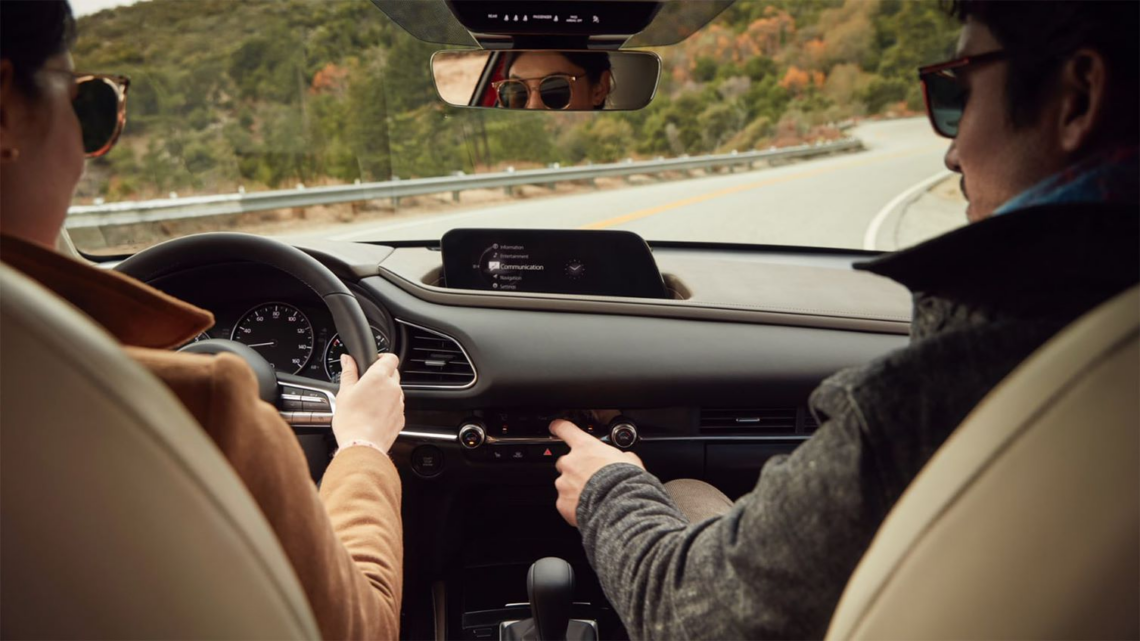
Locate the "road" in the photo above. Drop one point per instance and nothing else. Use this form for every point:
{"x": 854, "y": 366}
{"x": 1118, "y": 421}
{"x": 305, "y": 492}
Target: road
{"x": 829, "y": 202}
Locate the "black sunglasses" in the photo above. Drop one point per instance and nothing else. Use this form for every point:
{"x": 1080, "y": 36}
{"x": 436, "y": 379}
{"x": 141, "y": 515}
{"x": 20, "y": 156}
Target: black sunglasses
{"x": 944, "y": 92}
{"x": 554, "y": 90}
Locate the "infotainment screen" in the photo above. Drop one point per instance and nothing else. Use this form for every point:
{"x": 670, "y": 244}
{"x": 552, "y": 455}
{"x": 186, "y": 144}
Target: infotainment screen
{"x": 598, "y": 263}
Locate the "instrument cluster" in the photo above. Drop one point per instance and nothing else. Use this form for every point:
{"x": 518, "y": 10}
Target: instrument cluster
{"x": 276, "y": 316}
{"x": 286, "y": 336}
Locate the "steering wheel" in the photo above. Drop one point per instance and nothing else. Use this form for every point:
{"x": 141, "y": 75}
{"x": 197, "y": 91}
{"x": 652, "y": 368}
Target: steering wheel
{"x": 222, "y": 247}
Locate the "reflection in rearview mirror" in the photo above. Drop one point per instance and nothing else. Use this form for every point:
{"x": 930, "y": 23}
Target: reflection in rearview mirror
{"x": 547, "y": 79}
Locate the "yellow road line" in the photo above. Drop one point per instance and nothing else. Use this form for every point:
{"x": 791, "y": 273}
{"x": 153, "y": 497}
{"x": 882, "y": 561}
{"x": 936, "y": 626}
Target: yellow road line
{"x": 685, "y": 202}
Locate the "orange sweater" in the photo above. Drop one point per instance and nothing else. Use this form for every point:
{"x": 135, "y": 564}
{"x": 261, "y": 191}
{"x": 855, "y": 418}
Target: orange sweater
{"x": 345, "y": 542}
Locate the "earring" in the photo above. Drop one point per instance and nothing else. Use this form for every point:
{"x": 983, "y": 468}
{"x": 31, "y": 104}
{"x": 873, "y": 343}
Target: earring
{"x": 9, "y": 154}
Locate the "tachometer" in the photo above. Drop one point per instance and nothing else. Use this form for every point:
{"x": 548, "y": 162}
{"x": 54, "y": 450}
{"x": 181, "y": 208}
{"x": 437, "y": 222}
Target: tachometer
{"x": 280, "y": 333}
{"x": 336, "y": 348}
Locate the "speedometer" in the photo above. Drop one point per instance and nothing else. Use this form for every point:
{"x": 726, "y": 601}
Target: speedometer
{"x": 280, "y": 333}
{"x": 336, "y": 348}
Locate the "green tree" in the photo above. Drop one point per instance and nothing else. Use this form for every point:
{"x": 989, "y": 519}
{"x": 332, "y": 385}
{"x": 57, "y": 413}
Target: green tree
{"x": 719, "y": 122}
{"x": 270, "y": 67}
{"x": 922, "y": 34}
{"x": 705, "y": 69}
{"x": 760, "y": 67}
{"x": 766, "y": 99}
{"x": 367, "y": 121}
{"x": 408, "y": 74}
{"x": 608, "y": 139}
{"x": 882, "y": 92}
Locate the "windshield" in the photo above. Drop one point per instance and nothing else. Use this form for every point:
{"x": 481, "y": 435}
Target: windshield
{"x": 793, "y": 122}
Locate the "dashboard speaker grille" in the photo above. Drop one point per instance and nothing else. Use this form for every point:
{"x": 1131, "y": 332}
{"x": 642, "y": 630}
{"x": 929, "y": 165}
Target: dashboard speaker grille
{"x": 434, "y": 360}
{"x": 749, "y": 421}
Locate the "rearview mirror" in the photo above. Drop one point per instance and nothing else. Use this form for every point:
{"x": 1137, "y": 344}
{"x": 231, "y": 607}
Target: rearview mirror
{"x": 546, "y": 79}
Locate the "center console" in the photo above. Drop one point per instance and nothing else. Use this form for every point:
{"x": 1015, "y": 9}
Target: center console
{"x": 514, "y": 600}
{"x": 506, "y": 436}
{"x": 480, "y": 502}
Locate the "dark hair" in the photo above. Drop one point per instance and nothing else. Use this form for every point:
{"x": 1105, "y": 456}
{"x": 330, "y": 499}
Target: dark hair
{"x": 31, "y": 32}
{"x": 593, "y": 63}
{"x": 1039, "y": 34}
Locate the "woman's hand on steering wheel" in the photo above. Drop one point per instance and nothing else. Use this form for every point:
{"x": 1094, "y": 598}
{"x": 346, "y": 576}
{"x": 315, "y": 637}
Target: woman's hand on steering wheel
{"x": 370, "y": 407}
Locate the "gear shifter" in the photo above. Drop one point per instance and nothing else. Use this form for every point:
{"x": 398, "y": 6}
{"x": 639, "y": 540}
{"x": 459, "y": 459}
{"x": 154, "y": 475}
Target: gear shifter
{"x": 550, "y": 585}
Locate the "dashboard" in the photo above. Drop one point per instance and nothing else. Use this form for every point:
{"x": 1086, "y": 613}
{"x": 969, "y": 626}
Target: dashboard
{"x": 484, "y": 372}
{"x": 536, "y": 367}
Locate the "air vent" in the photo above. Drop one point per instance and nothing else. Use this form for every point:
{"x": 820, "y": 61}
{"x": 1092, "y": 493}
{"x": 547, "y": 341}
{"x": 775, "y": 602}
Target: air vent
{"x": 434, "y": 360}
{"x": 809, "y": 424}
{"x": 749, "y": 421}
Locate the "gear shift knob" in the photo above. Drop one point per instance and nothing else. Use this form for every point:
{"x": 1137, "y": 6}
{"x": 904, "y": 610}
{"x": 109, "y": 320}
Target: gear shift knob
{"x": 550, "y": 585}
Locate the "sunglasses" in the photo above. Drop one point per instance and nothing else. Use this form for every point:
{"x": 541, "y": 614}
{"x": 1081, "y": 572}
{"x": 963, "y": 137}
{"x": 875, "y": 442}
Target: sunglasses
{"x": 946, "y": 94}
{"x": 100, "y": 104}
{"x": 554, "y": 90}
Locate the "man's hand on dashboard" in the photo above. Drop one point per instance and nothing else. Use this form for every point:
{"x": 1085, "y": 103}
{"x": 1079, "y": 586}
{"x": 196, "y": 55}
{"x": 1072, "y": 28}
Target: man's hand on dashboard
{"x": 587, "y": 456}
{"x": 371, "y": 407}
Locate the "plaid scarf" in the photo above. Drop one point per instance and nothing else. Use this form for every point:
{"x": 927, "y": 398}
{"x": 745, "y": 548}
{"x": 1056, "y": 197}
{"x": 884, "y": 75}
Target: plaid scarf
{"x": 1108, "y": 177}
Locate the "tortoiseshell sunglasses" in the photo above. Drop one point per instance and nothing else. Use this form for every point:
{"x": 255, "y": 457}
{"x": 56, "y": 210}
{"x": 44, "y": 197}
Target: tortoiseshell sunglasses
{"x": 555, "y": 91}
{"x": 101, "y": 106}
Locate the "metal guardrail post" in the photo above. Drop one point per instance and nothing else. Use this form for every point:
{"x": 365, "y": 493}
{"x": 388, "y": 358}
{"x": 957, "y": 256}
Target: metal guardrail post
{"x": 455, "y": 193}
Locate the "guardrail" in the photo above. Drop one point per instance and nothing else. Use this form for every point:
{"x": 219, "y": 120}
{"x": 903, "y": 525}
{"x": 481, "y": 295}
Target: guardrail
{"x": 125, "y": 213}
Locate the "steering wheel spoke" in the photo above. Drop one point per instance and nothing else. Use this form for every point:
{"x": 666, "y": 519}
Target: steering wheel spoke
{"x": 305, "y": 402}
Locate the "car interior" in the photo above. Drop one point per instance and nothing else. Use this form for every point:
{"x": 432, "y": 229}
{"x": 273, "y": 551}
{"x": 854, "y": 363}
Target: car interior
{"x": 698, "y": 357}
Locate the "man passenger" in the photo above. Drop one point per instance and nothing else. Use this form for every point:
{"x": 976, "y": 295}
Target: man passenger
{"x": 1041, "y": 104}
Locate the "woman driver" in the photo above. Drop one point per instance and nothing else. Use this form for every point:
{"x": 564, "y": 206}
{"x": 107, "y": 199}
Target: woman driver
{"x": 345, "y": 543}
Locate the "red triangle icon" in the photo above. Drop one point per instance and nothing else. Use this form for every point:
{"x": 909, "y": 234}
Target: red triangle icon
{"x": 548, "y": 452}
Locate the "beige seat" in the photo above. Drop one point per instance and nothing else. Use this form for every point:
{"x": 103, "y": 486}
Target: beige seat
{"x": 119, "y": 517}
{"x": 1026, "y": 524}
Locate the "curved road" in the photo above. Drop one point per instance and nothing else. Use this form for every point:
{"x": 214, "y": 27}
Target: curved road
{"x": 829, "y": 202}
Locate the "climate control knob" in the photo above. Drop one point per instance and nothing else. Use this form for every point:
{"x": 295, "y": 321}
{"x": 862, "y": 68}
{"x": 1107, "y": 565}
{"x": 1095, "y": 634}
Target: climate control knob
{"x": 623, "y": 435}
{"x": 471, "y": 435}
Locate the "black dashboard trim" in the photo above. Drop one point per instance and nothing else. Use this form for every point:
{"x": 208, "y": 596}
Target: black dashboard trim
{"x": 550, "y": 358}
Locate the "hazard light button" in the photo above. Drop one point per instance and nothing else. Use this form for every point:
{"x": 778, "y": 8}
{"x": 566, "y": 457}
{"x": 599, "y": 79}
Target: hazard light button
{"x": 549, "y": 452}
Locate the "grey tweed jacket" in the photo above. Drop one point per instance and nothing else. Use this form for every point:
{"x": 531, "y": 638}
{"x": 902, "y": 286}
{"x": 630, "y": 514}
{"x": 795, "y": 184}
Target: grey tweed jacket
{"x": 985, "y": 297}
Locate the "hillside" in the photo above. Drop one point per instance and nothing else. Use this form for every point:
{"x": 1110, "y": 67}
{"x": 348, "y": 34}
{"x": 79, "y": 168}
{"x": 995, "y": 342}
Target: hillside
{"x": 270, "y": 93}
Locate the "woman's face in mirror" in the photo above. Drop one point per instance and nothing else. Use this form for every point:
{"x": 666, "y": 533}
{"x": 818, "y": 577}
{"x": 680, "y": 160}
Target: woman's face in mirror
{"x": 533, "y": 66}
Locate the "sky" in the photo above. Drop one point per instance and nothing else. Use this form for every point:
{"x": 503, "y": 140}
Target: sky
{"x": 84, "y": 7}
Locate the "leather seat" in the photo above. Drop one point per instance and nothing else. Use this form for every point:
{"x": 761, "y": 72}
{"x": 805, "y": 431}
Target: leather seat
{"x": 1026, "y": 523}
{"x": 119, "y": 517}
